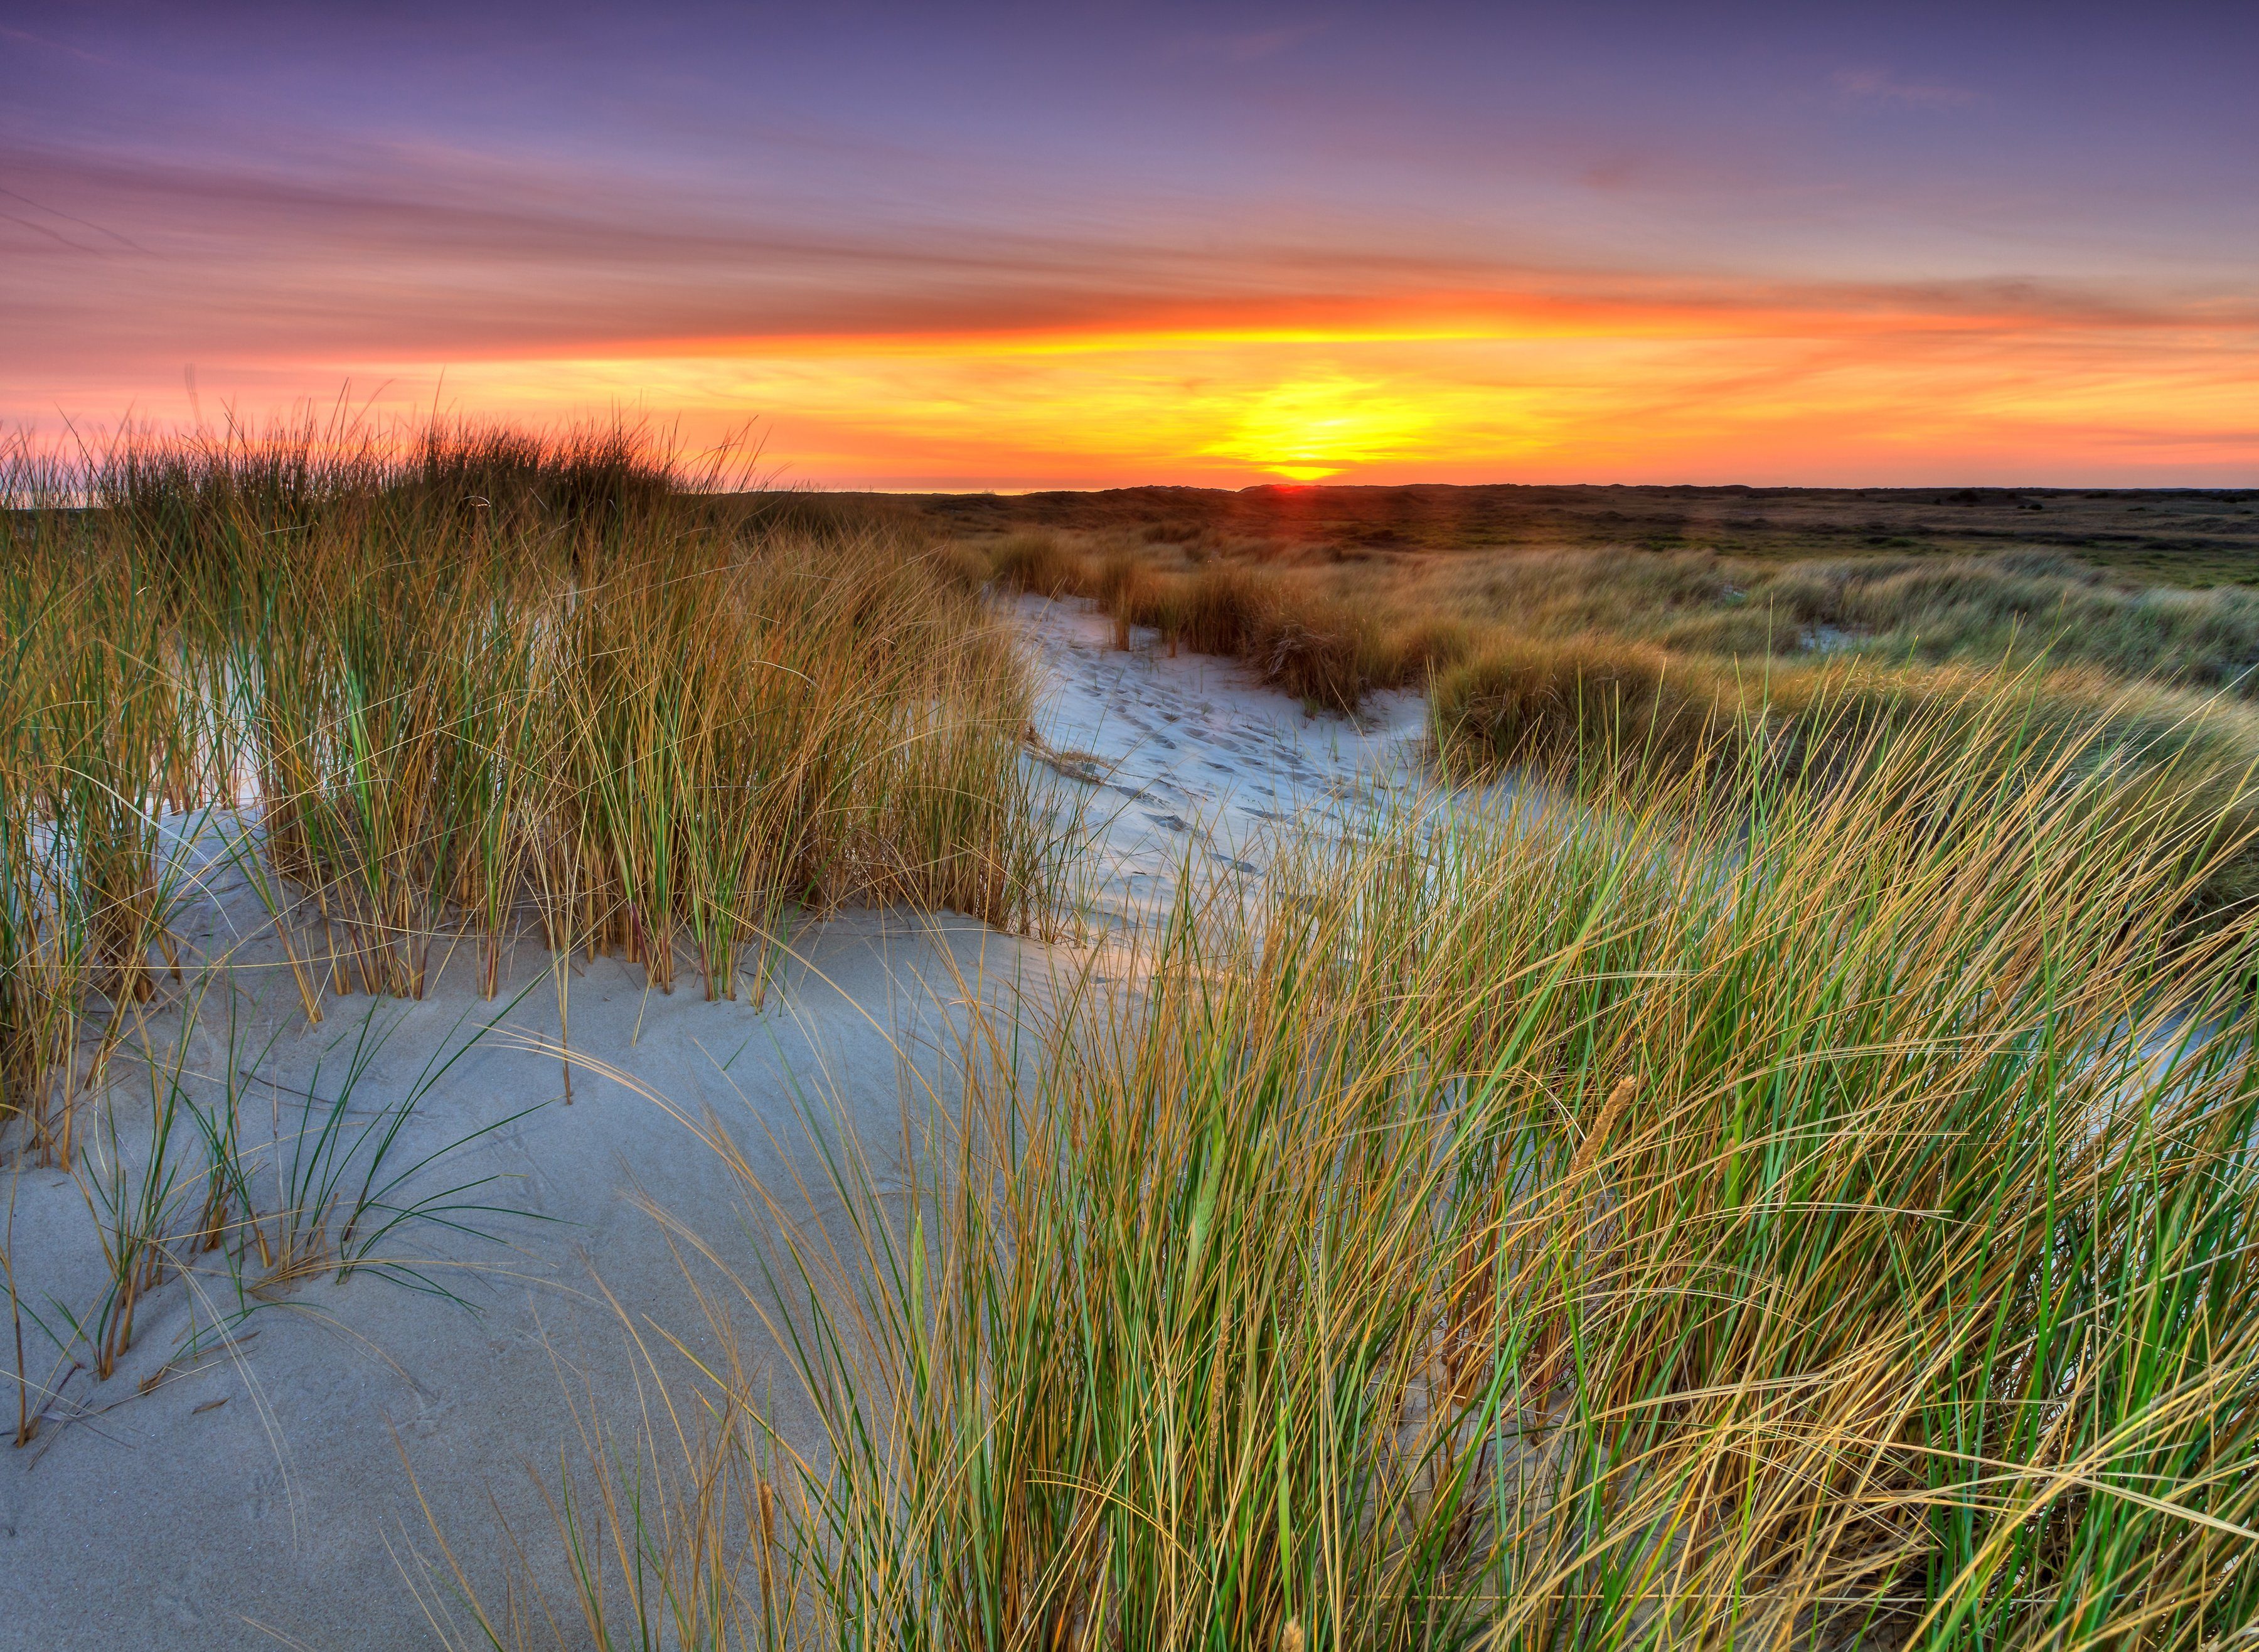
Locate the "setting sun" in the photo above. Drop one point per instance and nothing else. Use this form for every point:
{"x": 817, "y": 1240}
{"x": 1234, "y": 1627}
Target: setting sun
{"x": 1317, "y": 427}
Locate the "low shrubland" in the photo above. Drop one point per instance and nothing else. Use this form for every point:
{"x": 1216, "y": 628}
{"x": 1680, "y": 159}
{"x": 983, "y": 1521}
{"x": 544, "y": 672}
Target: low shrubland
{"x": 1398, "y": 616}
{"x": 1820, "y": 1224}
{"x": 1600, "y": 662}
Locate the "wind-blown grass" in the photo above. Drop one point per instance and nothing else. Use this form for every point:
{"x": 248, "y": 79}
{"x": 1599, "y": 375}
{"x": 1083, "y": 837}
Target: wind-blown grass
{"x": 474, "y": 679}
{"x": 1610, "y": 714}
{"x": 428, "y": 690}
{"x": 1400, "y": 615}
{"x": 1818, "y": 1224}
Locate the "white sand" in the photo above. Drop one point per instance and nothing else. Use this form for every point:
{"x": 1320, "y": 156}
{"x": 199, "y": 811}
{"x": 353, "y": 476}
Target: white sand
{"x": 1195, "y": 758}
{"x": 265, "y": 1485}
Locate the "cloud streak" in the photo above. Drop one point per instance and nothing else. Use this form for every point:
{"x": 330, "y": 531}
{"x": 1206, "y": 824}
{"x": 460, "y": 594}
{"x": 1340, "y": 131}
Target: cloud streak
{"x": 437, "y": 255}
{"x": 1879, "y": 86}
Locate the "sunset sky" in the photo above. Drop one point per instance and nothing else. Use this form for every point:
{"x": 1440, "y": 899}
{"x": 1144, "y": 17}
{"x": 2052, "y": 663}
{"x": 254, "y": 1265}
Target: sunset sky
{"x": 1082, "y": 245}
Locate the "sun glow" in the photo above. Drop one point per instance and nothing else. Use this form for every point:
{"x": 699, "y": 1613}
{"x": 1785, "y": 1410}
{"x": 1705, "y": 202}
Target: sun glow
{"x": 1312, "y": 428}
{"x": 1693, "y": 396}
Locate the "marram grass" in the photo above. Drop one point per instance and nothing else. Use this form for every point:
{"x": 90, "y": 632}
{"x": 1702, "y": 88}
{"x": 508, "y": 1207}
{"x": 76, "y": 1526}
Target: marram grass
{"x": 467, "y": 683}
{"x": 1819, "y": 1225}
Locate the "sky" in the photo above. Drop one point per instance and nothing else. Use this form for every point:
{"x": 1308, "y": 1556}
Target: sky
{"x": 1087, "y": 244}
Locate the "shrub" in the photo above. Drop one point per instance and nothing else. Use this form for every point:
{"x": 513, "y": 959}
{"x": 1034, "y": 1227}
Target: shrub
{"x": 1038, "y": 563}
{"x": 1523, "y": 701}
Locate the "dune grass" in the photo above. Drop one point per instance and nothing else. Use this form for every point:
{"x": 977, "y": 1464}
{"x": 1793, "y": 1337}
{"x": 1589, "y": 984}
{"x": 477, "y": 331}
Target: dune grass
{"x": 1818, "y": 1225}
{"x": 1806, "y": 1201}
{"x": 1298, "y": 641}
{"x": 1394, "y": 619}
{"x": 1608, "y": 714}
{"x": 432, "y": 692}
{"x": 1408, "y": 609}
{"x": 468, "y": 679}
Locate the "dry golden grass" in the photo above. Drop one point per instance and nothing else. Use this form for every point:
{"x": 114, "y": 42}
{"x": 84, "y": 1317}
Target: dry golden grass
{"x": 424, "y": 692}
{"x": 476, "y": 681}
{"x": 1604, "y": 661}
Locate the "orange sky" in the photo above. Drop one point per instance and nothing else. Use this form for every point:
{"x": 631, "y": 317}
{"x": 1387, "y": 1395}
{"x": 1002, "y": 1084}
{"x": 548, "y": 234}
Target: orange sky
{"x": 1739, "y": 385}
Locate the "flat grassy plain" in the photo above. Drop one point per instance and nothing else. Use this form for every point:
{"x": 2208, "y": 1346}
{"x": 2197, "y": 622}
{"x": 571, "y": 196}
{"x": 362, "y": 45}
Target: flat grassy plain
{"x": 1785, "y": 1177}
{"x": 2173, "y": 536}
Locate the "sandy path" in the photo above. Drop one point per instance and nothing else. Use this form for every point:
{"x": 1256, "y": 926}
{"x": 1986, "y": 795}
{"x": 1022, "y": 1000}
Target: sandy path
{"x": 1191, "y": 757}
{"x": 263, "y": 1484}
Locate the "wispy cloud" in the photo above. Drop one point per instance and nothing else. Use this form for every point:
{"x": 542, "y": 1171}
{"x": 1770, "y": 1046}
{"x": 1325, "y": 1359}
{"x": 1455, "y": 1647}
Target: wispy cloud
{"x": 1873, "y": 85}
{"x": 1248, "y": 46}
{"x": 431, "y": 254}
